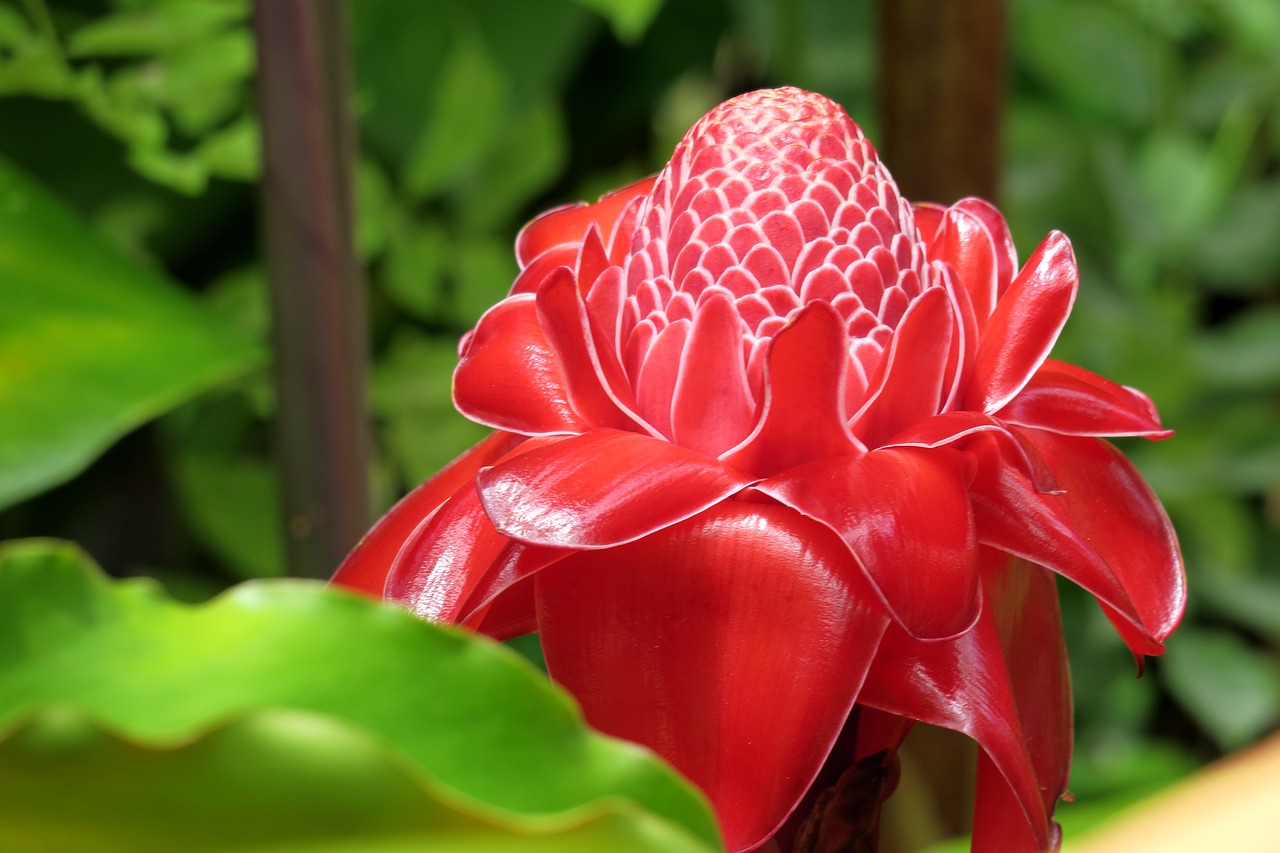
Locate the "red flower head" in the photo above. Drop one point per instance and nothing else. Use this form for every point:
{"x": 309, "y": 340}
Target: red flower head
{"x": 774, "y": 444}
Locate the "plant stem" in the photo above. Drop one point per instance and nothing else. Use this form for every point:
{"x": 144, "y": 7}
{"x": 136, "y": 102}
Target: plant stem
{"x": 846, "y": 817}
{"x": 317, "y": 296}
{"x": 941, "y": 88}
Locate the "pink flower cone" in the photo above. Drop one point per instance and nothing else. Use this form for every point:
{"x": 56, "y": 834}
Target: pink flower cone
{"x": 773, "y": 444}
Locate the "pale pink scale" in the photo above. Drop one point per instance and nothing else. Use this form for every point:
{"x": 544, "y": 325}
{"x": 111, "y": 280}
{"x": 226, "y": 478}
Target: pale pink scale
{"x": 683, "y": 229}
{"x": 697, "y": 282}
{"x": 825, "y": 196}
{"x": 782, "y": 298}
{"x": 713, "y": 229}
{"x": 766, "y": 265}
{"x": 893, "y": 305}
{"x": 784, "y": 236}
{"x": 884, "y": 261}
{"x": 884, "y": 223}
{"x": 744, "y": 238}
{"x": 811, "y": 219}
{"x": 766, "y": 201}
{"x": 867, "y": 238}
{"x": 655, "y": 383}
{"x": 865, "y": 282}
{"x": 680, "y": 307}
{"x": 824, "y": 284}
{"x": 738, "y": 281}
{"x": 813, "y": 255}
{"x": 718, "y": 259}
{"x": 690, "y": 258}
{"x": 844, "y": 256}
{"x": 754, "y": 309}
{"x": 838, "y": 178}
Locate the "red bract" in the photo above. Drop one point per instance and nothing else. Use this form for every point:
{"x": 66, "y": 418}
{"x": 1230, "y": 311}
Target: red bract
{"x": 773, "y": 444}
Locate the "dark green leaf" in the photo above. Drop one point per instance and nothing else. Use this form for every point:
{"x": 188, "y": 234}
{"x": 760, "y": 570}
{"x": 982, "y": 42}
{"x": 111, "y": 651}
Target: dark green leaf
{"x": 91, "y": 345}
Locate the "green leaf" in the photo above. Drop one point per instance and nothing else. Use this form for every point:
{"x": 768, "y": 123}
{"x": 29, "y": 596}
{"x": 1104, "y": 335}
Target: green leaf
{"x": 472, "y": 715}
{"x": 1097, "y": 55}
{"x": 1230, "y": 688}
{"x": 412, "y": 396}
{"x": 467, "y": 112}
{"x": 157, "y": 28}
{"x": 628, "y": 18}
{"x": 271, "y": 781}
{"x": 91, "y": 345}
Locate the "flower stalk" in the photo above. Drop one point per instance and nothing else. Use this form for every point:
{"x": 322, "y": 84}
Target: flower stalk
{"x": 317, "y": 295}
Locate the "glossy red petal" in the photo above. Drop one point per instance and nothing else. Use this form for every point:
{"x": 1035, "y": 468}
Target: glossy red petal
{"x": 1064, "y": 398}
{"x": 532, "y": 276}
{"x": 440, "y": 563}
{"x": 907, "y": 386}
{"x": 1105, "y": 530}
{"x": 965, "y": 242}
{"x": 511, "y": 614}
{"x": 510, "y": 378}
{"x": 1025, "y": 324}
{"x": 445, "y": 557}
{"x": 593, "y": 379}
{"x": 1006, "y": 254}
{"x": 569, "y": 224}
{"x": 804, "y": 396}
{"x": 904, "y": 513}
{"x": 602, "y": 488}
{"x": 698, "y": 644}
{"x": 367, "y": 566}
{"x": 1024, "y": 600}
{"x": 713, "y": 409}
{"x": 1004, "y": 683}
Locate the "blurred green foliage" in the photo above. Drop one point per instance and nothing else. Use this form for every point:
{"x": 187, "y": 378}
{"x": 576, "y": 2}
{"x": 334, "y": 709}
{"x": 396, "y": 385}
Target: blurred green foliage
{"x": 1147, "y": 130}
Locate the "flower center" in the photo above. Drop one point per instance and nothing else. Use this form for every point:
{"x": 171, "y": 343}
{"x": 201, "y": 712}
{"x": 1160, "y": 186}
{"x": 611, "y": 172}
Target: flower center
{"x": 772, "y": 201}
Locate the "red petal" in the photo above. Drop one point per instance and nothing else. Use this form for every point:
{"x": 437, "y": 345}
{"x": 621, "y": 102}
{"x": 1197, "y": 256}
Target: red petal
{"x": 713, "y": 409}
{"x": 998, "y": 230}
{"x": 602, "y": 488}
{"x": 1005, "y": 684}
{"x": 928, "y": 216}
{"x": 592, "y": 377}
{"x": 804, "y": 396}
{"x": 532, "y": 276}
{"x": 445, "y": 557}
{"x": 1067, "y": 399}
{"x": 569, "y": 224}
{"x": 965, "y": 242}
{"x": 510, "y": 378}
{"x": 733, "y": 644}
{"x": 904, "y": 513}
{"x": 1025, "y": 324}
{"x": 908, "y": 382}
{"x": 511, "y": 614}
{"x": 1106, "y": 531}
{"x": 367, "y": 566}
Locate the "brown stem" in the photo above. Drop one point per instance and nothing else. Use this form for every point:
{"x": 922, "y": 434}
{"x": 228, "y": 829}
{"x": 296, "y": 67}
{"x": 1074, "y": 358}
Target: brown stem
{"x": 941, "y": 87}
{"x": 846, "y": 817}
{"x": 317, "y": 298}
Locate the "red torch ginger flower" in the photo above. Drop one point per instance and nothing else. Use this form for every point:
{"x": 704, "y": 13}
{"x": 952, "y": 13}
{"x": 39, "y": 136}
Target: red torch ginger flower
{"x": 774, "y": 446}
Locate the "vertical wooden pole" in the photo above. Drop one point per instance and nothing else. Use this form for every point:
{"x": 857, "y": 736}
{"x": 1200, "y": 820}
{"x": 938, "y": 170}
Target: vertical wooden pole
{"x": 317, "y": 295}
{"x": 941, "y": 87}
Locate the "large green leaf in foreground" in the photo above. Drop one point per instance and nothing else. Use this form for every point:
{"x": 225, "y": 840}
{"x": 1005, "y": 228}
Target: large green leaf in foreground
{"x": 472, "y": 717}
{"x": 91, "y": 344}
{"x": 273, "y": 782}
